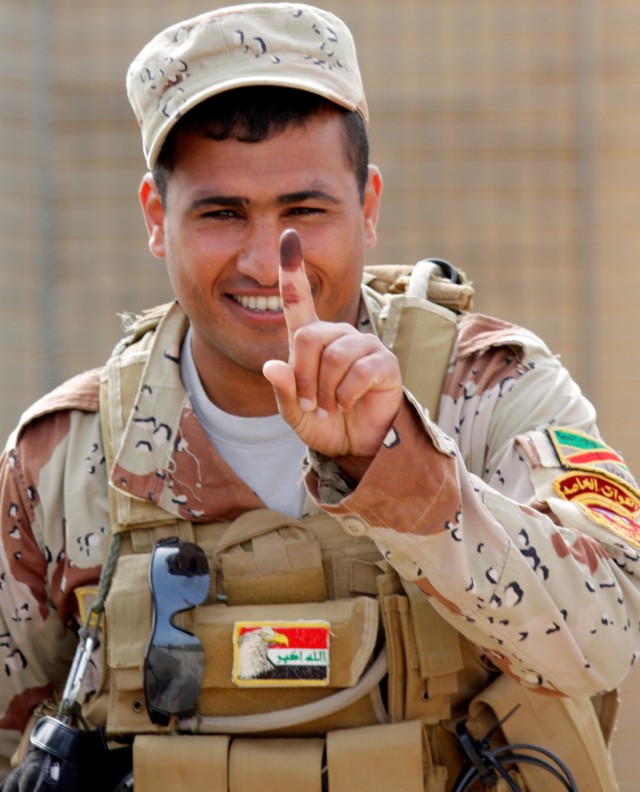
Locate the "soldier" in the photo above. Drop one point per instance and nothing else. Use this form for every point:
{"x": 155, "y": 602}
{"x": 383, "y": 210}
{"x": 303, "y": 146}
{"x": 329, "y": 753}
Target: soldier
{"x": 317, "y": 522}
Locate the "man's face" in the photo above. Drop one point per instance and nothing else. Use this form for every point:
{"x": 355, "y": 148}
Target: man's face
{"x": 227, "y": 204}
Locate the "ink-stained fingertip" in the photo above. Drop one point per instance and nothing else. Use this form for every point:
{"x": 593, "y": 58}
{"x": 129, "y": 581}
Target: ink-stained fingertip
{"x": 290, "y": 250}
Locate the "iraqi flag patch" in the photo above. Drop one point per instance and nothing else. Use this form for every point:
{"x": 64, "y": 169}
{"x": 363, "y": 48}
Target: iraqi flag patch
{"x": 281, "y": 653}
{"x": 606, "y": 501}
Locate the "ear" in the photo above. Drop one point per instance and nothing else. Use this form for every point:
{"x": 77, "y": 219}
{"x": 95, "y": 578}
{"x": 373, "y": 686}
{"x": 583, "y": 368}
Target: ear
{"x": 371, "y": 205}
{"x": 153, "y": 211}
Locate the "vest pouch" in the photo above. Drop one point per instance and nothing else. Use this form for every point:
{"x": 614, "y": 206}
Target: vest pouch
{"x": 375, "y": 758}
{"x": 266, "y": 556}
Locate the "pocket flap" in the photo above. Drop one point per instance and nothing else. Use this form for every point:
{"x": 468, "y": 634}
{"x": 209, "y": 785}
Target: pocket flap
{"x": 353, "y": 629}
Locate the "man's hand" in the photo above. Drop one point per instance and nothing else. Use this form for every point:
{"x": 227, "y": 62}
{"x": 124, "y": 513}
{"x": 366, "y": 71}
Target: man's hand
{"x": 341, "y": 389}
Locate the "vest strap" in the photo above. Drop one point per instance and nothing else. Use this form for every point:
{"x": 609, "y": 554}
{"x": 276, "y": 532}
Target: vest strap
{"x": 417, "y": 331}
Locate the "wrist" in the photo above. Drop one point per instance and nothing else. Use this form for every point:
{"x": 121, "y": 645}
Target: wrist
{"x": 353, "y": 466}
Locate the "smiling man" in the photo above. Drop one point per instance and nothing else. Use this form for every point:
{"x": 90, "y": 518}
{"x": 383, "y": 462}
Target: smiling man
{"x": 219, "y": 219}
{"x": 404, "y": 508}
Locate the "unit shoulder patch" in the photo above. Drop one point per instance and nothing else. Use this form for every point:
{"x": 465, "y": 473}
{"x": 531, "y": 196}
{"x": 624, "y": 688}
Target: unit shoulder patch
{"x": 604, "y": 500}
{"x": 580, "y": 451}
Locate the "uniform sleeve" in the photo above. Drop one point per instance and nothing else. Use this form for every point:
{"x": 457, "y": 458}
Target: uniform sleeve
{"x": 532, "y": 558}
{"x": 37, "y": 625}
{"x": 24, "y": 613}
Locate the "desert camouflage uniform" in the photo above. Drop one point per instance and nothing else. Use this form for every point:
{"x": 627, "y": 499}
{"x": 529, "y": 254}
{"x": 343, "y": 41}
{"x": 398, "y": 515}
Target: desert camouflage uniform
{"x": 526, "y": 552}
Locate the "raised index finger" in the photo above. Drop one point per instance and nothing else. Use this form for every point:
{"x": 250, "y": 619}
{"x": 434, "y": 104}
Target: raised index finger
{"x": 295, "y": 290}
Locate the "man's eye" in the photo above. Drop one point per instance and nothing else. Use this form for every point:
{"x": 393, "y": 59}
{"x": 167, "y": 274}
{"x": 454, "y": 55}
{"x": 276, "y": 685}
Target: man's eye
{"x": 306, "y": 210}
{"x": 220, "y": 214}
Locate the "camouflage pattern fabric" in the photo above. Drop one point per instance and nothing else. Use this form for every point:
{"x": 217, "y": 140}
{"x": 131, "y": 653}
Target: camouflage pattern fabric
{"x": 540, "y": 575}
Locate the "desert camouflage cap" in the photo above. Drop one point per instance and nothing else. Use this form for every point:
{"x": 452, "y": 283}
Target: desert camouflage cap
{"x": 278, "y": 44}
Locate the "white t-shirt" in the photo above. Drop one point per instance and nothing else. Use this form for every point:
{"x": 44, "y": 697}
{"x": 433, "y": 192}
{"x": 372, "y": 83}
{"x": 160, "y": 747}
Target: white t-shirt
{"x": 264, "y": 452}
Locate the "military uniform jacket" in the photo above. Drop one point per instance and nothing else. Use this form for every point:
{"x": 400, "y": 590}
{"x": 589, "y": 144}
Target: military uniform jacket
{"x": 510, "y": 513}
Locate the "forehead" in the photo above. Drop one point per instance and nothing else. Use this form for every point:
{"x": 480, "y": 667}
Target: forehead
{"x": 318, "y": 145}
{"x": 254, "y": 123}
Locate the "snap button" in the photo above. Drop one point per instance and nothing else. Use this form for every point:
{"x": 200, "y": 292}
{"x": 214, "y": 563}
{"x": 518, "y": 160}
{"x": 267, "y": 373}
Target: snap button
{"x": 354, "y": 525}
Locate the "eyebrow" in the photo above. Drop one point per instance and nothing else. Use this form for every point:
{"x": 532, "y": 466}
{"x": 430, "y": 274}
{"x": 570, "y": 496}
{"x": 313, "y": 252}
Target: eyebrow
{"x": 218, "y": 200}
{"x": 306, "y": 195}
{"x": 282, "y": 200}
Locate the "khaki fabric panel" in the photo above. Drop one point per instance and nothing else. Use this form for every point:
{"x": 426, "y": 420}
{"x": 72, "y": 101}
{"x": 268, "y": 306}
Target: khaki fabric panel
{"x": 296, "y": 585}
{"x": 180, "y": 763}
{"x": 377, "y": 759}
{"x": 367, "y": 711}
{"x": 273, "y": 765}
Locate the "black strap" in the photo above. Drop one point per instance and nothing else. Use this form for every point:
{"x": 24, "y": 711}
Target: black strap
{"x": 488, "y": 766}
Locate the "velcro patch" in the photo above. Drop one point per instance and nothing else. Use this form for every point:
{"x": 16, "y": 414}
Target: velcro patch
{"x": 86, "y": 596}
{"x": 610, "y": 503}
{"x": 281, "y": 653}
{"x": 579, "y": 451}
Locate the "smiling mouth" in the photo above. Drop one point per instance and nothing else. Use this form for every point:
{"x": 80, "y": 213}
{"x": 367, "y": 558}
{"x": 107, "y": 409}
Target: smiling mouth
{"x": 260, "y": 303}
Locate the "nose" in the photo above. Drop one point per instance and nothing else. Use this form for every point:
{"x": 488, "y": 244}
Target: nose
{"x": 259, "y": 258}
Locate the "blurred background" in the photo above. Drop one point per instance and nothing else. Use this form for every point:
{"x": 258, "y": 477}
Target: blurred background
{"x": 507, "y": 131}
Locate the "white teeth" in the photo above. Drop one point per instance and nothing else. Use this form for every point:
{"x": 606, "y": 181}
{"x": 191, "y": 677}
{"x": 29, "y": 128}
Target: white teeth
{"x": 261, "y": 303}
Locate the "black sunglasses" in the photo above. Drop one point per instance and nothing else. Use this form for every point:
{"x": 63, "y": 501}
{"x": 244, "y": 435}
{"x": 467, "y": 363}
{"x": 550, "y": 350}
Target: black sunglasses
{"x": 174, "y": 663}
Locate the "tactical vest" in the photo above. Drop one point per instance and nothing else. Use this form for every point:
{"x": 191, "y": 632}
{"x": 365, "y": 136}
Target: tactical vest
{"x": 399, "y": 676}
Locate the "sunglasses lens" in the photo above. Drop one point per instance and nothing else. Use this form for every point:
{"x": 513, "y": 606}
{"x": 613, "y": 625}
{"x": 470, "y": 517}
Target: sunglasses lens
{"x": 174, "y": 664}
{"x": 173, "y": 678}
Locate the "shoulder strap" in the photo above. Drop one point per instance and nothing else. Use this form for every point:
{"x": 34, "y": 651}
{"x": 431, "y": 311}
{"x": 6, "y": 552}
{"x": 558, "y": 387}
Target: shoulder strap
{"x": 418, "y": 309}
{"x": 434, "y": 279}
{"x": 135, "y": 326}
{"x": 119, "y": 386}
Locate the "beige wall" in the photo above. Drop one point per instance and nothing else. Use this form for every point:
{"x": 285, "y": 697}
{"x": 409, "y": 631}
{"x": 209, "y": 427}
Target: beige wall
{"x": 508, "y": 134}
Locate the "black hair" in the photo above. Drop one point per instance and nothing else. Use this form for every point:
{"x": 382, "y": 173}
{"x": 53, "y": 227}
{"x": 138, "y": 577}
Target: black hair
{"x": 252, "y": 114}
